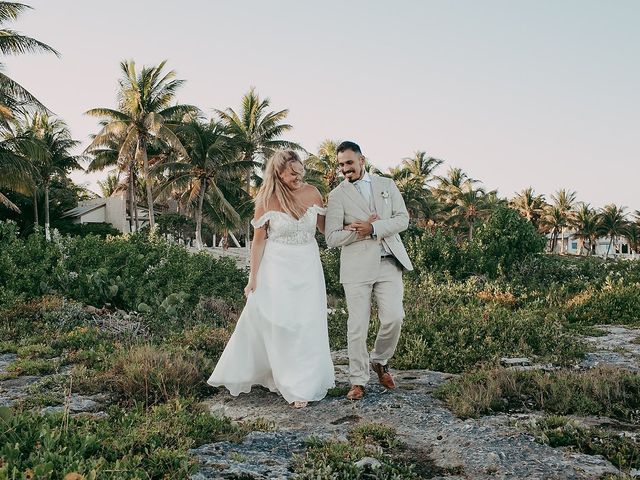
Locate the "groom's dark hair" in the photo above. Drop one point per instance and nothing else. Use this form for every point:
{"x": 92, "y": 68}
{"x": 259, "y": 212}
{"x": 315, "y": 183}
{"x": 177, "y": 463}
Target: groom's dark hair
{"x": 347, "y": 145}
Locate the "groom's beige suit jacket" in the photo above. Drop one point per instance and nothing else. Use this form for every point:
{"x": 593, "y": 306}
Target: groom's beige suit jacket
{"x": 360, "y": 259}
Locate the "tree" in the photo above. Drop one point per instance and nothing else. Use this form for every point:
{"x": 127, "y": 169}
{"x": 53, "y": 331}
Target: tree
{"x": 449, "y": 186}
{"x": 564, "y": 200}
{"x": 553, "y": 221}
{"x": 144, "y": 108}
{"x": 529, "y": 205}
{"x": 322, "y": 169}
{"x": 109, "y": 185}
{"x": 420, "y": 167}
{"x": 50, "y": 140}
{"x": 586, "y": 222}
{"x": 257, "y": 131}
{"x": 16, "y": 172}
{"x": 470, "y": 205}
{"x": 13, "y": 97}
{"x": 14, "y": 100}
{"x": 613, "y": 223}
{"x": 211, "y": 162}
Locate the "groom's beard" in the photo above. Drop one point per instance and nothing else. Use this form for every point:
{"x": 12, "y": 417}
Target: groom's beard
{"x": 354, "y": 179}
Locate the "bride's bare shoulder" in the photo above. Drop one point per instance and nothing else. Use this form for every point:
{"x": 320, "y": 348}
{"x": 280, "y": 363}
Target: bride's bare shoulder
{"x": 312, "y": 195}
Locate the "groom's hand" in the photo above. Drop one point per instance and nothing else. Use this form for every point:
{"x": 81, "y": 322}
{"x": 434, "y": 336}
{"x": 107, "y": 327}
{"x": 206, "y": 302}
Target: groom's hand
{"x": 363, "y": 228}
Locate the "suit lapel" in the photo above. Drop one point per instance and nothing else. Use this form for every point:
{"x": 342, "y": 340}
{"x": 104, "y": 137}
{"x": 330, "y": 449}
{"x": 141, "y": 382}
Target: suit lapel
{"x": 377, "y": 193}
{"x": 352, "y": 193}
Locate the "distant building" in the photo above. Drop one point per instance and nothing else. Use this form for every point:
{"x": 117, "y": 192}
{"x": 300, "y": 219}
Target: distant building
{"x": 620, "y": 246}
{"x": 112, "y": 210}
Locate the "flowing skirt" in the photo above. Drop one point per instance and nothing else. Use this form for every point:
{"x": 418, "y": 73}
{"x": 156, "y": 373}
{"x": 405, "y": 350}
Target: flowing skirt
{"x": 281, "y": 339}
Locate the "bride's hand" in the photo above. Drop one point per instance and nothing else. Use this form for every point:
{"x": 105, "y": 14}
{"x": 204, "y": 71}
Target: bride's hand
{"x": 251, "y": 286}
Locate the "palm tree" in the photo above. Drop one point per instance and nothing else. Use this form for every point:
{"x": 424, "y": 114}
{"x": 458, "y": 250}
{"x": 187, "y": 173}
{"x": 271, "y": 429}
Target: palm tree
{"x": 14, "y": 169}
{"x": 52, "y": 142}
{"x": 553, "y": 221}
{"x": 420, "y": 167}
{"x": 322, "y": 169}
{"x": 633, "y": 236}
{"x": 14, "y": 97}
{"x": 564, "y": 200}
{"x": 529, "y": 205}
{"x": 613, "y": 223}
{"x": 221, "y": 217}
{"x": 144, "y": 108}
{"x": 257, "y": 132}
{"x": 586, "y": 223}
{"x": 449, "y": 186}
{"x": 109, "y": 185}
{"x": 470, "y": 205}
{"x": 211, "y": 162}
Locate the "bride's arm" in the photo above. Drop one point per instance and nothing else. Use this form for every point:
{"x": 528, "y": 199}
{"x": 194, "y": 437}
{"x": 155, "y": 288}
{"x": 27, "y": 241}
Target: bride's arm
{"x": 257, "y": 249}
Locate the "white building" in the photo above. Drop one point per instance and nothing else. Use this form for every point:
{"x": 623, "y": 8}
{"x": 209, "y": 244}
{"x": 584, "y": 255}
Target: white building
{"x": 112, "y": 210}
{"x": 619, "y": 248}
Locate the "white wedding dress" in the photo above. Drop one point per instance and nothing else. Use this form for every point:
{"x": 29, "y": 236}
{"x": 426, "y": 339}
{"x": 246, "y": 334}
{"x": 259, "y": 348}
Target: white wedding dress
{"x": 281, "y": 340}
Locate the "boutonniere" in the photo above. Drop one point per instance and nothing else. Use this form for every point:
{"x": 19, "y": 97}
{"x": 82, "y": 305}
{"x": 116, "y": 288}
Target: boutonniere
{"x": 385, "y": 195}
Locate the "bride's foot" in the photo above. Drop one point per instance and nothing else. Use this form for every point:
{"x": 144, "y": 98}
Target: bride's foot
{"x": 300, "y": 404}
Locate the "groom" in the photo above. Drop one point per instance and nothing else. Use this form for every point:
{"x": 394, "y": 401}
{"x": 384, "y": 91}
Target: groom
{"x": 365, "y": 214}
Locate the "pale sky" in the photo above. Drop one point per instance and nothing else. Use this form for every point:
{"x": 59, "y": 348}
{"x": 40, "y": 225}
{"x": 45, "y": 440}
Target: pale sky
{"x": 542, "y": 93}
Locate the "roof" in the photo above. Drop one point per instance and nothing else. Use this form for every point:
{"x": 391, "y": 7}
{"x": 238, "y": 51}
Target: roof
{"x": 82, "y": 209}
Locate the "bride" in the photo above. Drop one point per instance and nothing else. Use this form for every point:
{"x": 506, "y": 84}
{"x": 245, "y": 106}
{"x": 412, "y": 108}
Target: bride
{"x": 281, "y": 339}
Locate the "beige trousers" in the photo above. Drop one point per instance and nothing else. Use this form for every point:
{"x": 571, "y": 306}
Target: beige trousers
{"x": 388, "y": 290}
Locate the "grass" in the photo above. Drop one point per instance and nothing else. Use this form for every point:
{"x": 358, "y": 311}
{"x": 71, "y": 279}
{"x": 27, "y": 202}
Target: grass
{"x": 448, "y": 327}
{"x": 130, "y": 443}
{"x": 557, "y": 431}
{"x": 335, "y": 459}
{"x": 29, "y": 367}
{"x": 601, "y": 391}
{"x": 149, "y": 374}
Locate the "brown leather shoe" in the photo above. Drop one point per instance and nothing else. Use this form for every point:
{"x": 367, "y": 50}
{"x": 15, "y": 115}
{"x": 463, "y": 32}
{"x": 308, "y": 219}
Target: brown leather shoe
{"x": 356, "y": 392}
{"x": 384, "y": 377}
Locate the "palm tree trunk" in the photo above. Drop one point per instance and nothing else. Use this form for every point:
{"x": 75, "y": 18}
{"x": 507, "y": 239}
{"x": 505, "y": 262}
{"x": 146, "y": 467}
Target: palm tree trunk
{"x": 36, "y": 217}
{"x": 562, "y": 241}
{"x": 609, "y": 247}
{"x": 47, "y": 232}
{"x": 225, "y": 239}
{"x": 247, "y": 242}
{"x": 141, "y": 152}
{"x": 130, "y": 192}
{"x": 203, "y": 188}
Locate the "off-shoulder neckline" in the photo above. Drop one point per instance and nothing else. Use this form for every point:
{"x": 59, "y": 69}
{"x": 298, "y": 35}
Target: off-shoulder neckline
{"x": 310, "y": 207}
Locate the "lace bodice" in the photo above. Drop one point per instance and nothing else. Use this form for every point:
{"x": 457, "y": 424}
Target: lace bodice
{"x": 283, "y": 228}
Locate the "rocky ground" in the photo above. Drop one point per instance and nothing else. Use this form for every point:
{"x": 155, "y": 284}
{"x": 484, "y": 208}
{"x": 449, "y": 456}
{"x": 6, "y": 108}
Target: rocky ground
{"x": 489, "y": 447}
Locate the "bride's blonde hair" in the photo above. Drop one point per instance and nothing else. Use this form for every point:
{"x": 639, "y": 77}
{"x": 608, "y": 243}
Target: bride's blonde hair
{"x": 272, "y": 185}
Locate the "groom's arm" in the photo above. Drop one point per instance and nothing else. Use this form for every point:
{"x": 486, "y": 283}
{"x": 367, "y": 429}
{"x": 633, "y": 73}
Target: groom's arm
{"x": 399, "y": 220}
{"x": 334, "y": 232}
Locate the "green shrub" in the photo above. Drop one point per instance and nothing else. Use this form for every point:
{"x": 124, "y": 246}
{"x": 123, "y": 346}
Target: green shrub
{"x": 499, "y": 245}
{"x": 448, "y": 327}
{"x": 84, "y": 229}
{"x": 331, "y": 459}
{"x": 439, "y": 252}
{"x": 151, "y": 375}
{"x": 621, "y": 450}
{"x": 129, "y": 272}
{"x": 128, "y": 444}
{"x": 207, "y": 340}
{"x": 602, "y": 391}
{"x": 331, "y": 265}
{"x": 505, "y": 240}
{"x": 615, "y": 304}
